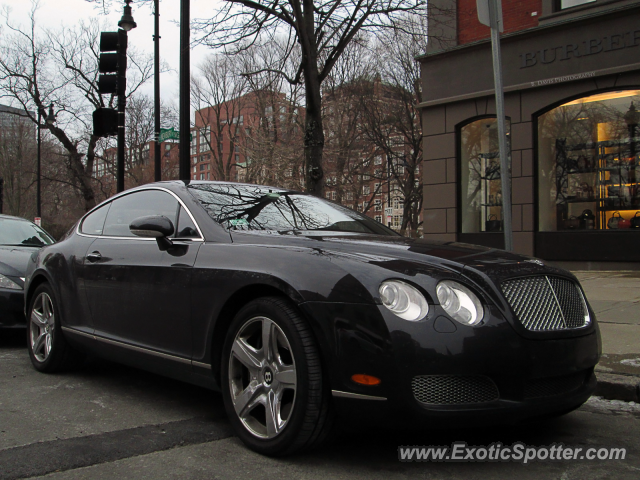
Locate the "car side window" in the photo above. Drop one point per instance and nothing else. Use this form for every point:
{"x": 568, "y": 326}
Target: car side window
{"x": 186, "y": 228}
{"x": 138, "y": 204}
{"x": 93, "y": 223}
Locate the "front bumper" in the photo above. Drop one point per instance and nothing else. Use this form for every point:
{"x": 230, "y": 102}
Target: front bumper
{"x": 369, "y": 339}
{"x": 11, "y": 308}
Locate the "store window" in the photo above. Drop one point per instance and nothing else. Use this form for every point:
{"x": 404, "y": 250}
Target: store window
{"x": 587, "y": 163}
{"x": 481, "y": 188}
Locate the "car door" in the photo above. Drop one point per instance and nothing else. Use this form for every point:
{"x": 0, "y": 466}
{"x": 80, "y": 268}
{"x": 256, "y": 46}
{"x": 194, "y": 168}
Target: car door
{"x": 139, "y": 296}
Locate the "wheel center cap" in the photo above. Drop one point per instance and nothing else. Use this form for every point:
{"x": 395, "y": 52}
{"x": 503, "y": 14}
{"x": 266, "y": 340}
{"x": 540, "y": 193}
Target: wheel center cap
{"x": 268, "y": 376}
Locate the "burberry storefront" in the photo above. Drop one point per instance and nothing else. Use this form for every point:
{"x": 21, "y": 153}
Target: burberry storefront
{"x": 572, "y": 98}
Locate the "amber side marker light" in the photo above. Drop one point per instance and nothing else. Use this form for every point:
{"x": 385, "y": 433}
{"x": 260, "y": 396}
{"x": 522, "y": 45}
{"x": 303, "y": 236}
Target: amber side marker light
{"x": 365, "y": 379}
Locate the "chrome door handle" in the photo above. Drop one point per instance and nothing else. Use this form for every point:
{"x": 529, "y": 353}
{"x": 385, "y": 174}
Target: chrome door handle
{"x": 94, "y": 257}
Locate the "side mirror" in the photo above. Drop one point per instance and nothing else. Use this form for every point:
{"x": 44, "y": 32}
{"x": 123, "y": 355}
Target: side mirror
{"x": 154, "y": 226}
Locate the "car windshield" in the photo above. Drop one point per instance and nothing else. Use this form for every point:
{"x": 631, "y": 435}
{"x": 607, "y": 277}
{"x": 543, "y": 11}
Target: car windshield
{"x": 22, "y": 233}
{"x": 249, "y": 207}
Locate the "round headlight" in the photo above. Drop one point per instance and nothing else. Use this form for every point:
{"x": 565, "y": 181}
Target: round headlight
{"x": 404, "y": 300}
{"x": 459, "y": 302}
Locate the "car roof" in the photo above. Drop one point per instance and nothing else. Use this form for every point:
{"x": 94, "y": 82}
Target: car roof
{"x": 11, "y": 217}
{"x": 207, "y": 182}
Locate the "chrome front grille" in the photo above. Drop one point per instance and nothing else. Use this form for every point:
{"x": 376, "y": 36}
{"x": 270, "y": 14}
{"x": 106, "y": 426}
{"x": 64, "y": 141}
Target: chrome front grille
{"x": 544, "y": 303}
{"x": 453, "y": 389}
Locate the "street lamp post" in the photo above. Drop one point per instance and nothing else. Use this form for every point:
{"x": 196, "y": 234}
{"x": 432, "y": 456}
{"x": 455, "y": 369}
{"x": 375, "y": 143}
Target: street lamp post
{"x": 156, "y": 92}
{"x": 185, "y": 92}
{"x": 50, "y": 120}
{"x": 127, "y": 24}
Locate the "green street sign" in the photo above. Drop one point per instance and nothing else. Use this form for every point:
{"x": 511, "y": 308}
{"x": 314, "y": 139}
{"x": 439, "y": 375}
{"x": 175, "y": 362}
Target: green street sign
{"x": 170, "y": 134}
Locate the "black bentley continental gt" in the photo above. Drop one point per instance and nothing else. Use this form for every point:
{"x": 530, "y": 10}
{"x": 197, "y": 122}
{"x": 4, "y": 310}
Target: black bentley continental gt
{"x": 301, "y": 311}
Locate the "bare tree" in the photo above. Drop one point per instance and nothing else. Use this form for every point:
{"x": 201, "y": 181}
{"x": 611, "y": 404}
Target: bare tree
{"x": 18, "y": 167}
{"x": 318, "y": 32}
{"x": 274, "y": 145}
{"x": 220, "y": 96}
{"x": 39, "y": 67}
{"x": 393, "y": 121}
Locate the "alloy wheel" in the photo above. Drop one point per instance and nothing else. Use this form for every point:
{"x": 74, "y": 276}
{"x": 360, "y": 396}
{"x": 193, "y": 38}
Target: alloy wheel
{"x": 262, "y": 377}
{"x": 41, "y": 327}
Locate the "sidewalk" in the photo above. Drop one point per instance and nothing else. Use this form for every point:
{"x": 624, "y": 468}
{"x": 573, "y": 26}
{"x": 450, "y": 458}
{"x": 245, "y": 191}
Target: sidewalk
{"x": 615, "y": 298}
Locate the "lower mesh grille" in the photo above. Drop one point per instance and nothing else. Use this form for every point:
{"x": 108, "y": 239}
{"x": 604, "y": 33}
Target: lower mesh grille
{"x": 453, "y": 389}
{"x": 544, "y": 303}
{"x": 549, "y": 387}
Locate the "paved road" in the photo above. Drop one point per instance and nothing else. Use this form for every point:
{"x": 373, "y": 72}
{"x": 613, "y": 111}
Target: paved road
{"x": 615, "y": 298}
{"x": 108, "y": 422}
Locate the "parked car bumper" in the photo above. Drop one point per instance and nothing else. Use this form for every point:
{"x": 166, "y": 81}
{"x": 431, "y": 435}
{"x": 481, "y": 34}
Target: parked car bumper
{"x": 430, "y": 375}
{"x": 12, "y": 308}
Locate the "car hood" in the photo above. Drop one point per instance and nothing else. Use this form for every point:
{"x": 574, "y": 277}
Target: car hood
{"x": 460, "y": 257}
{"x": 14, "y": 260}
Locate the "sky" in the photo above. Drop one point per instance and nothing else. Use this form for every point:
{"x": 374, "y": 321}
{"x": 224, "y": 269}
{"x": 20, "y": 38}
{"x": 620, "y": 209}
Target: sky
{"x": 56, "y": 13}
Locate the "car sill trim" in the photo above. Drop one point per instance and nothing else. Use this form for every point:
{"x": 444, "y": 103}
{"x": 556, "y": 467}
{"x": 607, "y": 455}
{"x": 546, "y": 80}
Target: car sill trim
{"x": 78, "y": 332}
{"x": 357, "y": 396}
{"x": 206, "y": 366}
{"x": 134, "y": 348}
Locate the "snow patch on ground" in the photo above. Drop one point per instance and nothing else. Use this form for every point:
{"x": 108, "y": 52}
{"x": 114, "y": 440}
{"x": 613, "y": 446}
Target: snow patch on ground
{"x": 614, "y": 405}
{"x": 633, "y": 362}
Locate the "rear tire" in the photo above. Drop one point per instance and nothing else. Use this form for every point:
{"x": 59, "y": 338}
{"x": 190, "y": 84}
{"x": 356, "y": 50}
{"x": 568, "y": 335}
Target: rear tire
{"x": 276, "y": 397}
{"x": 48, "y": 349}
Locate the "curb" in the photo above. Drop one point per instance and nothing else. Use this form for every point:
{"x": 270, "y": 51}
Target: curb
{"x": 618, "y": 387}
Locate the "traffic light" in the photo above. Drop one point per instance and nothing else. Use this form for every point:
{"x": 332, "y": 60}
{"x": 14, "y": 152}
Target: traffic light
{"x": 112, "y": 66}
{"x": 113, "y": 63}
{"x": 105, "y": 122}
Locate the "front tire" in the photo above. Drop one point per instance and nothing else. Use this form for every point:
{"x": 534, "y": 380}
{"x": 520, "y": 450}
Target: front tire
{"x": 48, "y": 349}
{"x": 272, "y": 379}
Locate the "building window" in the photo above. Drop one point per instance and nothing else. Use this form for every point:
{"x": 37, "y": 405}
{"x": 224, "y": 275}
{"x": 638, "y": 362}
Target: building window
{"x": 377, "y": 160}
{"x": 396, "y": 221}
{"x": 202, "y": 167}
{"x": 366, "y": 190}
{"x": 349, "y": 195}
{"x": 562, "y": 4}
{"x": 194, "y": 142}
{"x": 587, "y": 163}
{"x": 378, "y": 205}
{"x": 333, "y": 195}
{"x": 378, "y": 218}
{"x": 481, "y": 189}
{"x": 328, "y": 195}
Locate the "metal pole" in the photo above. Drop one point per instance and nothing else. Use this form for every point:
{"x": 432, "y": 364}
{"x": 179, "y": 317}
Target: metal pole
{"x": 505, "y": 170}
{"x": 156, "y": 88}
{"x": 120, "y": 161}
{"x": 389, "y": 190}
{"x": 38, "y": 199}
{"x": 185, "y": 92}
